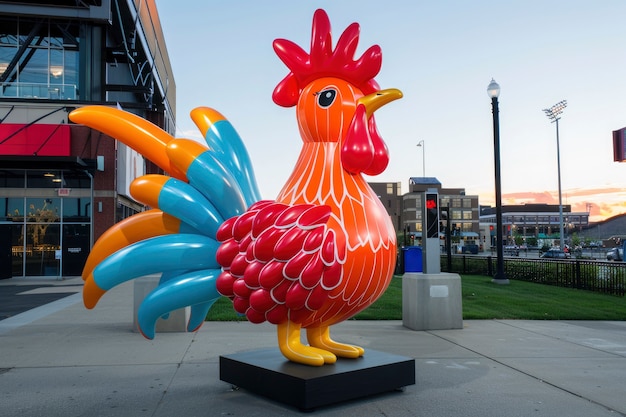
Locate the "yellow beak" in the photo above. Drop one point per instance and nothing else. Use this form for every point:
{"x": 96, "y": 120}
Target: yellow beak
{"x": 375, "y": 101}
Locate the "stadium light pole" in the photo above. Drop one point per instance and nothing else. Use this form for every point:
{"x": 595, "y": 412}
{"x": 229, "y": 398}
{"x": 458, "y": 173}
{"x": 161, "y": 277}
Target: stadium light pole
{"x": 493, "y": 90}
{"x": 553, "y": 114}
{"x": 420, "y": 144}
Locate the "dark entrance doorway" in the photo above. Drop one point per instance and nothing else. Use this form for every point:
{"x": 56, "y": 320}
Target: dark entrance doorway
{"x": 75, "y": 248}
{"x": 6, "y": 254}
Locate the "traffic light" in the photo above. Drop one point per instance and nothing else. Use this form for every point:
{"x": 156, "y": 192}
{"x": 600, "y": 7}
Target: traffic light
{"x": 432, "y": 216}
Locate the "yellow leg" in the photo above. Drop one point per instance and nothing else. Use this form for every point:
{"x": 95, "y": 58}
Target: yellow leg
{"x": 320, "y": 338}
{"x": 292, "y": 348}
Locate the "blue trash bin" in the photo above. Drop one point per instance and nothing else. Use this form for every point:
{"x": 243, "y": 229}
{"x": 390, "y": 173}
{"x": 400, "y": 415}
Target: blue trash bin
{"x": 412, "y": 259}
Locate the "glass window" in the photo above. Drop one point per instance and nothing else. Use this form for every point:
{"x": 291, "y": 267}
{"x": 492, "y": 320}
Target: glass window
{"x": 123, "y": 212}
{"x": 8, "y": 49}
{"x": 5, "y": 210}
{"x": 76, "y": 209}
{"x": 76, "y": 179}
{"x": 47, "y": 68}
{"x": 42, "y": 242}
{"x": 44, "y": 179}
{"x": 11, "y": 179}
{"x": 17, "y": 249}
{"x": 43, "y": 210}
{"x": 12, "y": 209}
{"x": 34, "y": 66}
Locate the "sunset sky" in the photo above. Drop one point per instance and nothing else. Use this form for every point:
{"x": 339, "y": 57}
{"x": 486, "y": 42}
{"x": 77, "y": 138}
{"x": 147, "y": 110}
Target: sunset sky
{"x": 442, "y": 55}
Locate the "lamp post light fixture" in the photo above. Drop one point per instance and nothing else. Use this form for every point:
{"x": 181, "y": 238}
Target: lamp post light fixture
{"x": 493, "y": 90}
{"x": 553, "y": 114}
{"x": 421, "y": 145}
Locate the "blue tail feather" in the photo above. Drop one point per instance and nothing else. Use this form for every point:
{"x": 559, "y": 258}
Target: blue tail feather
{"x": 184, "y": 202}
{"x": 154, "y": 255}
{"x": 192, "y": 288}
{"x": 232, "y": 153}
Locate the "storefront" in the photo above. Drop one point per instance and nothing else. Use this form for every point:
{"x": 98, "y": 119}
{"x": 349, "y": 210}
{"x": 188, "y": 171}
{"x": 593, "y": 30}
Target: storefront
{"x": 45, "y": 222}
{"x": 62, "y": 185}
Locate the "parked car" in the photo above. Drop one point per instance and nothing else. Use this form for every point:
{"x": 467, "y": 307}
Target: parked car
{"x": 555, "y": 253}
{"x": 615, "y": 254}
{"x": 511, "y": 250}
{"x": 470, "y": 248}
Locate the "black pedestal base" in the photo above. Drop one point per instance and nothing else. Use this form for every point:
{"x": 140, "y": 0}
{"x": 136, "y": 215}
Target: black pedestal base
{"x": 268, "y": 373}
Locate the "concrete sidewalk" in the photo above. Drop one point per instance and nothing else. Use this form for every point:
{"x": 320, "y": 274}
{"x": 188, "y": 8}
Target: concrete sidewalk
{"x": 63, "y": 360}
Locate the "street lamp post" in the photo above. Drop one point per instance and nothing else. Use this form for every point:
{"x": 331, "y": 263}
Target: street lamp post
{"x": 553, "y": 114}
{"x": 421, "y": 145}
{"x": 493, "y": 90}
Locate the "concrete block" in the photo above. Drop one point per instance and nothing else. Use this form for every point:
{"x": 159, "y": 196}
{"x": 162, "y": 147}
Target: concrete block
{"x": 177, "y": 320}
{"x": 432, "y": 301}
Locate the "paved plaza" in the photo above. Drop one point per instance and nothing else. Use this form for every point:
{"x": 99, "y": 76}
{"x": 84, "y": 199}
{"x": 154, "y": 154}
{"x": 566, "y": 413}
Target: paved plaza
{"x": 60, "y": 359}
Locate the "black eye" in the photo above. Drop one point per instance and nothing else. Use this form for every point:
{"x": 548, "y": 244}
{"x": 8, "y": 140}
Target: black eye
{"x": 326, "y": 97}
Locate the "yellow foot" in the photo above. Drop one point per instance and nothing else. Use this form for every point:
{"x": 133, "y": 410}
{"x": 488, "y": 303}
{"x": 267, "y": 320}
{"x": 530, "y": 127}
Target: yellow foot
{"x": 293, "y": 349}
{"x": 320, "y": 338}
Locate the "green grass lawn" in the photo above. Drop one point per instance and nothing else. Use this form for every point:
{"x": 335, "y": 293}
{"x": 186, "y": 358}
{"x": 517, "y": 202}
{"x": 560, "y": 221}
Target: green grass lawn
{"x": 525, "y": 300}
{"x": 484, "y": 300}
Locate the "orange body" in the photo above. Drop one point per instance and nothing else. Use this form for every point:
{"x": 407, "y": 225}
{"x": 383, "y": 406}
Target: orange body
{"x": 358, "y": 216}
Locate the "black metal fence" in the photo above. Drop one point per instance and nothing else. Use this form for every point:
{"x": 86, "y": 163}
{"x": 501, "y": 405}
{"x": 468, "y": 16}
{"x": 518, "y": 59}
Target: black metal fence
{"x": 583, "y": 274}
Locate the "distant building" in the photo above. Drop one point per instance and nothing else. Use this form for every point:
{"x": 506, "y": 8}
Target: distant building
{"x": 541, "y": 221}
{"x": 609, "y": 231}
{"x": 62, "y": 185}
{"x": 390, "y": 194}
{"x": 464, "y": 209}
{"x": 471, "y": 223}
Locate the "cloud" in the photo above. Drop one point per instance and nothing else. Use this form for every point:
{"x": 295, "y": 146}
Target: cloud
{"x": 601, "y": 202}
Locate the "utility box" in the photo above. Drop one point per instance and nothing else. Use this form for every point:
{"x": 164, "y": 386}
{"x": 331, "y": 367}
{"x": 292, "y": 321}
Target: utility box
{"x": 412, "y": 259}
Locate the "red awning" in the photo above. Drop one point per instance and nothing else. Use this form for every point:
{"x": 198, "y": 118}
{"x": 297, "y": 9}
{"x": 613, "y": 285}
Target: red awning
{"x": 35, "y": 139}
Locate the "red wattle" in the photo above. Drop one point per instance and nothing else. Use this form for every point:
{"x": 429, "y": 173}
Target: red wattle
{"x": 381, "y": 153}
{"x": 357, "y": 151}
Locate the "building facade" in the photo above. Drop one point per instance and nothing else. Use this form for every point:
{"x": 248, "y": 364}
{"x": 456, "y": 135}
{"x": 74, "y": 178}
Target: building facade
{"x": 463, "y": 210}
{"x": 61, "y": 184}
{"x": 406, "y": 210}
{"x": 390, "y": 195}
{"x": 539, "y": 221}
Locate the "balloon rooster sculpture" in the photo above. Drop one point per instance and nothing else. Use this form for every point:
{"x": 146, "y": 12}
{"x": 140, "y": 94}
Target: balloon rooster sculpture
{"x": 319, "y": 253}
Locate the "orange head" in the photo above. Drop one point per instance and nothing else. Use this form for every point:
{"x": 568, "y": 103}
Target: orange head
{"x": 335, "y": 96}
